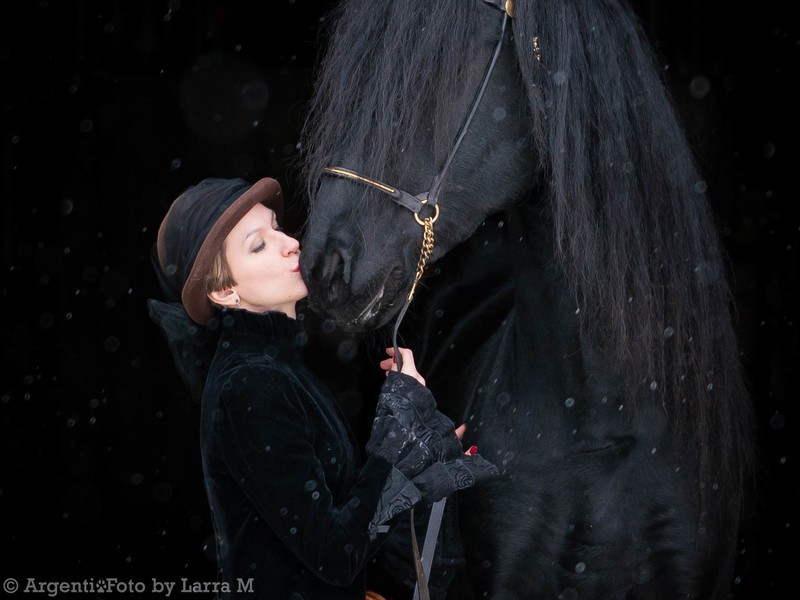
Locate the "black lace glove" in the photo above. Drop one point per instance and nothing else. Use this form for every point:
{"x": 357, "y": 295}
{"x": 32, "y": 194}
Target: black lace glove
{"x": 443, "y": 478}
{"x": 398, "y": 496}
{"x": 407, "y": 430}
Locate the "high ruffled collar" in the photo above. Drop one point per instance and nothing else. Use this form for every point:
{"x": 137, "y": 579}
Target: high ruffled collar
{"x": 275, "y": 326}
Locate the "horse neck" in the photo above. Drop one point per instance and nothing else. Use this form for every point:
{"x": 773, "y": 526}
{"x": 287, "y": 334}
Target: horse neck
{"x": 498, "y": 338}
{"x": 485, "y": 301}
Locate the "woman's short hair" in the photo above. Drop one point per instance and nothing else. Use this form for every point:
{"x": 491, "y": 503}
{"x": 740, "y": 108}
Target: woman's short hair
{"x": 219, "y": 276}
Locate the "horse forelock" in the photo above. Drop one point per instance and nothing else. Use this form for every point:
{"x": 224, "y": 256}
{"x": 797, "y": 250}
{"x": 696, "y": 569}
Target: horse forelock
{"x": 391, "y": 70}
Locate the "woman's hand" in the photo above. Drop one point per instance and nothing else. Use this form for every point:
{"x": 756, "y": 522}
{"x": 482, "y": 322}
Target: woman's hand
{"x": 460, "y": 431}
{"x": 409, "y": 368}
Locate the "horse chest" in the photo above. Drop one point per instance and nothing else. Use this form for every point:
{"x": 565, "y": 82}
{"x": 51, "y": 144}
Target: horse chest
{"x": 500, "y": 347}
{"x": 534, "y": 403}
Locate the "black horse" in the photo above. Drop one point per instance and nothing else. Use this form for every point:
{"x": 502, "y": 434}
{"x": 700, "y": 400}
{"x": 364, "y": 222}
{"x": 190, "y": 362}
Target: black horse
{"x": 576, "y": 313}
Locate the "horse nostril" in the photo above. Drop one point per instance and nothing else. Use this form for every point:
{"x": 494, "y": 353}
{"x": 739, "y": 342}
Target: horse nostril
{"x": 336, "y": 272}
{"x": 331, "y": 266}
{"x": 347, "y": 263}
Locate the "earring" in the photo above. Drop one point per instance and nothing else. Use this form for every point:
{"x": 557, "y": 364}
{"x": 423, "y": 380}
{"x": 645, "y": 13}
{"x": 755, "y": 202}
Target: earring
{"x": 238, "y": 302}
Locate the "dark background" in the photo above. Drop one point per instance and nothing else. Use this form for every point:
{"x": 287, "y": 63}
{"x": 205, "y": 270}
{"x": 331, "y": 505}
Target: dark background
{"x": 110, "y": 109}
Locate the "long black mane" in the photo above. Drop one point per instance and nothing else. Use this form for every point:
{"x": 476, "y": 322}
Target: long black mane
{"x": 633, "y": 231}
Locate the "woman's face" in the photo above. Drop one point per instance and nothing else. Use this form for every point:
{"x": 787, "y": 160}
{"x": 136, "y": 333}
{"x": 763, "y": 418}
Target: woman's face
{"x": 264, "y": 264}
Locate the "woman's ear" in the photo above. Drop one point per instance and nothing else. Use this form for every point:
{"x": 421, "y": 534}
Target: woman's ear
{"x": 227, "y": 298}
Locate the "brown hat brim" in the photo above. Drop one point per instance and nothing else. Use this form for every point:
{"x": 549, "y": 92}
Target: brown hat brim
{"x": 266, "y": 191}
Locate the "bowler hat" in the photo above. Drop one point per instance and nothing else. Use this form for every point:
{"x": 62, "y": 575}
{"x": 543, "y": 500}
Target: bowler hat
{"x": 195, "y": 228}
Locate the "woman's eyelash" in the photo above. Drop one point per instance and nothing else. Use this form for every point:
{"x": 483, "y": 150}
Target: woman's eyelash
{"x": 259, "y": 248}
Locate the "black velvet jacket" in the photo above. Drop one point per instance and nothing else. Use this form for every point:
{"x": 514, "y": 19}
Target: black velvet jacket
{"x": 294, "y": 506}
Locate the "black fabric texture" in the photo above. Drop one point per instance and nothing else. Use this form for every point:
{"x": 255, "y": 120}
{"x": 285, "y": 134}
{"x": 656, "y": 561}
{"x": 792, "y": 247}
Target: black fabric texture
{"x": 398, "y": 496}
{"x": 294, "y": 505}
{"x": 407, "y": 429}
{"x": 443, "y": 478}
{"x": 420, "y": 441}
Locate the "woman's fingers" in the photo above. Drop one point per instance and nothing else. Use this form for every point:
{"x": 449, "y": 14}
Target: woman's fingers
{"x": 409, "y": 368}
{"x": 460, "y": 430}
{"x": 389, "y": 364}
{"x": 408, "y": 358}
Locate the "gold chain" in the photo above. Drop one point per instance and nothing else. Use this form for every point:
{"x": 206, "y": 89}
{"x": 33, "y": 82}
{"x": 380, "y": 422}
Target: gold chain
{"x": 427, "y": 248}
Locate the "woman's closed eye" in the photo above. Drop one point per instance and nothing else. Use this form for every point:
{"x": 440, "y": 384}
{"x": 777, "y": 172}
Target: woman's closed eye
{"x": 259, "y": 248}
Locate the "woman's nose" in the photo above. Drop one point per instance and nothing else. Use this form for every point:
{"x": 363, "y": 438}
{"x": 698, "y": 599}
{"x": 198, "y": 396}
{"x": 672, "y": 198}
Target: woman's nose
{"x": 292, "y": 245}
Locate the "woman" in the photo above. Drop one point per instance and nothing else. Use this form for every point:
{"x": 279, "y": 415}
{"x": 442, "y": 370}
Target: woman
{"x": 295, "y": 510}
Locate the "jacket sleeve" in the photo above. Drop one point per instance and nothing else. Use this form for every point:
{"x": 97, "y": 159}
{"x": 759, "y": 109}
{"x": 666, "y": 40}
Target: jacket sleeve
{"x": 270, "y": 451}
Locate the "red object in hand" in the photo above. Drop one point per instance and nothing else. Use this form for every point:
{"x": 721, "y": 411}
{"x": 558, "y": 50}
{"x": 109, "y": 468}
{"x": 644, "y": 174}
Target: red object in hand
{"x": 472, "y": 450}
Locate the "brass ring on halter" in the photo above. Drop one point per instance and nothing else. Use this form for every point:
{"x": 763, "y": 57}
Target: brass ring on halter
{"x": 432, "y": 219}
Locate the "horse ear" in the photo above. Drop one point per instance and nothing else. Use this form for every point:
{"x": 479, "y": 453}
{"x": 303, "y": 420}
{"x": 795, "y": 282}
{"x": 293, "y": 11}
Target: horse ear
{"x": 227, "y": 298}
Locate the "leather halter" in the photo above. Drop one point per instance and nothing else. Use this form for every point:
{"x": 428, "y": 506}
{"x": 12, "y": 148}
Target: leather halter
{"x": 428, "y": 202}
{"x": 431, "y": 197}
{"x": 425, "y": 206}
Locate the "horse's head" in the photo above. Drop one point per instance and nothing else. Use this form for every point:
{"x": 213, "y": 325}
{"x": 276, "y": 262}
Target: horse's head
{"x": 391, "y": 98}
